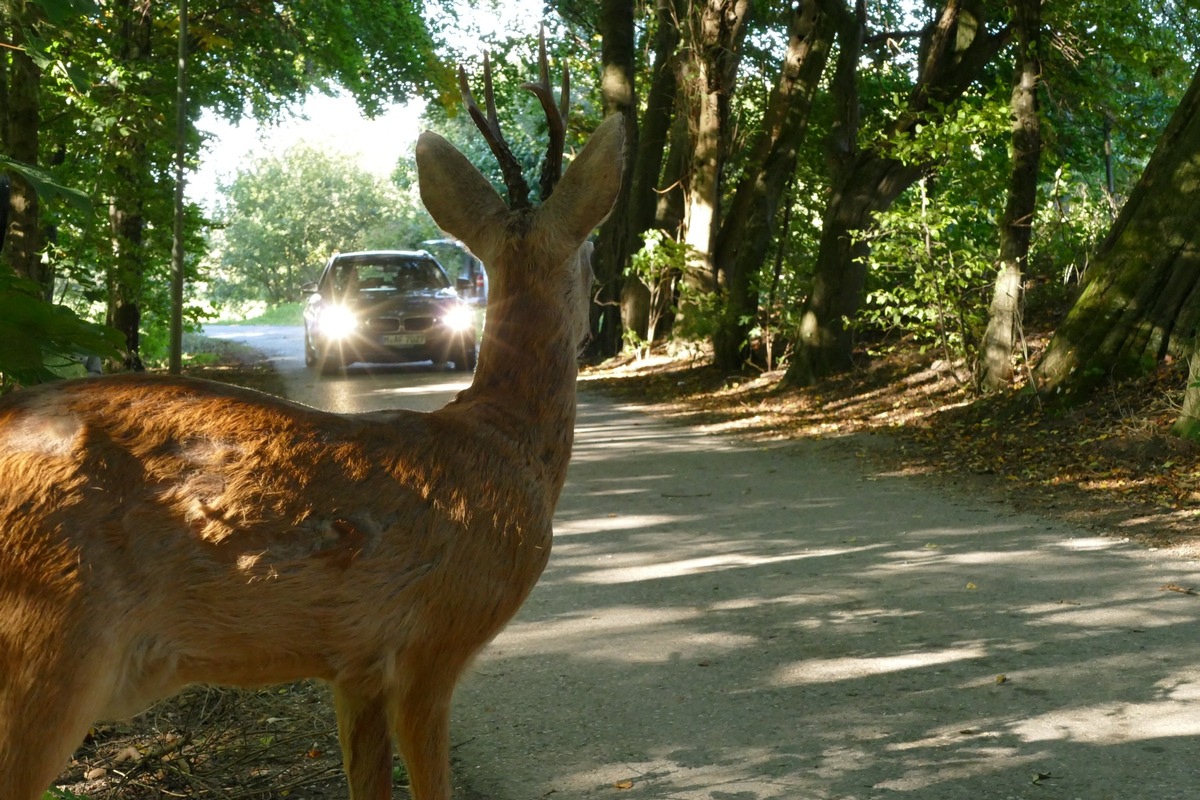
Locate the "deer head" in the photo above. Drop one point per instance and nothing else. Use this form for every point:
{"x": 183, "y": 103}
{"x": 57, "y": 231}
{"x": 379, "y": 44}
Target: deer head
{"x": 526, "y": 248}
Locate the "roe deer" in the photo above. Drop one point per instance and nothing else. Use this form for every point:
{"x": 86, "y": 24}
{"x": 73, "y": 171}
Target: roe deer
{"x": 159, "y": 532}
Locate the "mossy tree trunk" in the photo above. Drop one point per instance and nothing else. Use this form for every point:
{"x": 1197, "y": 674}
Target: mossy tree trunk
{"x": 1188, "y": 424}
{"x": 1140, "y": 299}
{"x": 718, "y": 31}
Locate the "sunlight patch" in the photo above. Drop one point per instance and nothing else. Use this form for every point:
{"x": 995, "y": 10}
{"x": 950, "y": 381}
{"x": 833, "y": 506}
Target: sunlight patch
{"x": 1113, "y": 723}
{"x": 696, "y": 566}
{"x": 829, "y": 670}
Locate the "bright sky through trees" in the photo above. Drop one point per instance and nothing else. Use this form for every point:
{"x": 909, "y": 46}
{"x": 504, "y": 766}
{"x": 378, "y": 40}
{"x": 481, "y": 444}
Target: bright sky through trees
{"x": 336, "y": 122}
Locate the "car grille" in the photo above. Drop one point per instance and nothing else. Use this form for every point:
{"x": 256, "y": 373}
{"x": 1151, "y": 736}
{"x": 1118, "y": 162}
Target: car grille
{"x": 383, "y": 325}
{"x": 393, "y": 325}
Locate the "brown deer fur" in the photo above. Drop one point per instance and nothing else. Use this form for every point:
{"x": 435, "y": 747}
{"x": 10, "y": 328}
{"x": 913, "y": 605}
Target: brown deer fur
{"x": 159, "y": 532}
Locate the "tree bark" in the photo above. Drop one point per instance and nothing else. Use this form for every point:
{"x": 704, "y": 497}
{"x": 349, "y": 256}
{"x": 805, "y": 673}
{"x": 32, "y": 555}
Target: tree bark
{"x": 23, "y": 242}
{"x": 1004, "y": 318}
{"x": 127, "y": 205}
{"x": 617, "y": 56}
{"x": 746, "y": 232}
{"x": 716, "y": 52}
{"x": 1188, "y": 424}
{"x": 1140, "y": 298}
{"x": 955, "y": 49}
{"x": 648, "y": 162}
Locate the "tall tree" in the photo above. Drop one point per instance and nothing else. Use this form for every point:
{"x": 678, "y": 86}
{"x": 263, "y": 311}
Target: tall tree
{"x": 954, "y": 49}
{"x": 715, "y": 49}
{"x": 617, "y": 90}
{"x": 1140, "y": 298}
{"x": 647, "y": 163}
{"x": 1004, "y": 319}
{"x": 136, "y": 125}
{"x": 748, "y": 227}
{"x": 24, "y": 21}
{"x": 279, "y": 225}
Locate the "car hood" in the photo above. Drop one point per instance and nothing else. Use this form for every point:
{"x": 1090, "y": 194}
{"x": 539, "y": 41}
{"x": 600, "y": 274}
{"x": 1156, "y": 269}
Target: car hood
{"x": 412, "y": 301}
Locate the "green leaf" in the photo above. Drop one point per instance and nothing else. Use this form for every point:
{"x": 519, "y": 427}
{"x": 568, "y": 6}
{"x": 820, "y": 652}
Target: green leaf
{"x": 43, "y": 183}
{"x": 60, "y": 11}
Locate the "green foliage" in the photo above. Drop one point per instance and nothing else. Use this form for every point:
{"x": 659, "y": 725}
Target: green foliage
{"x": 45, "y": 184}
{"x": 63, "y": 794}
{"x": 285, "y": 215}
{"x": 282, "y": 314}
{"x": 931, "y": 269}
{"x": 1072, "y": 220}
{"x": 960, "y": 137}
{"x": 38, "y": 339}
{"x": 1123, "y": 66}
{"x": 659, "y": 265}
{"x": 60, "y": 11}
{"x": 932, "y": 255}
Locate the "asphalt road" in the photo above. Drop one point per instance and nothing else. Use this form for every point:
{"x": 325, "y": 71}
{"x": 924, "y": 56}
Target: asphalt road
{"x": 729, "y": 621}
{"x": 363, "y": 387}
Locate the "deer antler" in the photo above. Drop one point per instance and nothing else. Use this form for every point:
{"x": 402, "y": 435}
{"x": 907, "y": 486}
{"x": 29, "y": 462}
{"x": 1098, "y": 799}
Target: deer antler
{"x": 556, "y": 120}
{"x": 556, "y": 117}
{"x": 518, "y": 189}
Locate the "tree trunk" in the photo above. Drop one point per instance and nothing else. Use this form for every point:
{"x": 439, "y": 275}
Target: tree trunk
{"x": 1140, "y": 298}
{"x": 954, "y": 51}
{"x": 716, "y": 52}
{"x": 648, "y": 162}
{"x": 617, "y": 56}
{"x": 1004, "y": 318}
{"x": 1188, "y": 424}
{"x": 746, "y": 233}
{"x": 126, "y": 208}
{"x": 23, "y": 243}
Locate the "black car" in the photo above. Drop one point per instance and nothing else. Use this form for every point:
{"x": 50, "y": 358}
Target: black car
{"x": 386, "y": 306}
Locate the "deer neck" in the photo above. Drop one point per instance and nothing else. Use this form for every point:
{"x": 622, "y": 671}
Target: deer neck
{"x": 525, "y": 378}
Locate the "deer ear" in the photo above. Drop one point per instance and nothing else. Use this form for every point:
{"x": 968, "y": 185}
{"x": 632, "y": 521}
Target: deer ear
{"x": 457, "y": 196}
{"x": 589, "y": 187}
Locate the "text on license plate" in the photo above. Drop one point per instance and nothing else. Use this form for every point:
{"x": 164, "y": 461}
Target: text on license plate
{"x": 404, "y": 338}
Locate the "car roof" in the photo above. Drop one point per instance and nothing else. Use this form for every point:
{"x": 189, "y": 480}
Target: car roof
{"x": 365, "y": 254}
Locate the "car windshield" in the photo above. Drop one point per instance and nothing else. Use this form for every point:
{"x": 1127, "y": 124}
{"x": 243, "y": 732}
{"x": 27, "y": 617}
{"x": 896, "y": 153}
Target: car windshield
{"x": 387, "y": 275}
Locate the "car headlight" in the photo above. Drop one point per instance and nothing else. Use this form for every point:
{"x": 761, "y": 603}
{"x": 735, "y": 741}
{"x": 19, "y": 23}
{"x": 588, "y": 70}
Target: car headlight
{"x": 338, "y": 322}
{"x": 459, "y": 318}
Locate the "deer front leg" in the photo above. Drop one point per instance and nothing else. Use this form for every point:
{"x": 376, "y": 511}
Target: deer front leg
{"x": 421, "y": 722}
{"x": 366, "y": 743}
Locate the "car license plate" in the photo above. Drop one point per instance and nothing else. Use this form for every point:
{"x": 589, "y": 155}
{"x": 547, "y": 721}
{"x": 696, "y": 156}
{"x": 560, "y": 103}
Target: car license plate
{"x": 403, "y": 338}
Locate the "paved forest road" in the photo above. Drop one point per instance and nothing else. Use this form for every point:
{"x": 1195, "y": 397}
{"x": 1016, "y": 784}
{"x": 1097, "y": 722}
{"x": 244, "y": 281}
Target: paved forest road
{"x": 737, "y": 622}
{"x": 730, "y": 621}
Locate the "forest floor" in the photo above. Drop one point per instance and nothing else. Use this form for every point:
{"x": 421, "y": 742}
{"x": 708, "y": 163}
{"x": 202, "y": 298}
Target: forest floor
{"x": 1110, "y": 465}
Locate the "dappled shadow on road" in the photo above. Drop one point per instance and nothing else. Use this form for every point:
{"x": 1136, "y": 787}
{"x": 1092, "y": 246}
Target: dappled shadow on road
{"x": 749, "y": 622}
